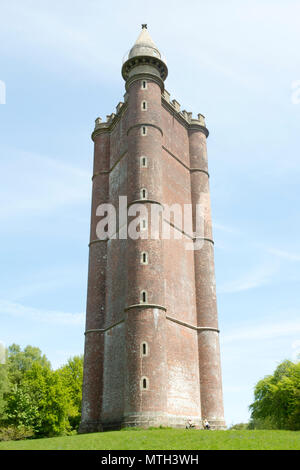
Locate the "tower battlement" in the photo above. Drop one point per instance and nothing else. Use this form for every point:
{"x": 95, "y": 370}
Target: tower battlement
{"x": 174, "y": 106}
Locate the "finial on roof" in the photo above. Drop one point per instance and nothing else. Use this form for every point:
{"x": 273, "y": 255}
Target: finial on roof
{"x": 144, "y": 26}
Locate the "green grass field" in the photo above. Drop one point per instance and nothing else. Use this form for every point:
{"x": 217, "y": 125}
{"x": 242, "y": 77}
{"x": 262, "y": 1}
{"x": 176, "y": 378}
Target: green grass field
{"x": 164, "y": 439}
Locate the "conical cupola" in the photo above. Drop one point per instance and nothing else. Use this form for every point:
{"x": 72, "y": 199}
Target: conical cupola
{"x": 144, "y": 46}
{"x": 144, "y": 53}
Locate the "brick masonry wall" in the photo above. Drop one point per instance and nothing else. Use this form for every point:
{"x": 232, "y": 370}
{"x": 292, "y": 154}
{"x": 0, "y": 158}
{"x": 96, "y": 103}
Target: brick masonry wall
{"x": 182, "y": 364}
{"x": 206, "y": 302}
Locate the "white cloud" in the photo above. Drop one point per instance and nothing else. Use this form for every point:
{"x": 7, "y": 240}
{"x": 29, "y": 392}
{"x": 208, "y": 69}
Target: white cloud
{"x": 296, "y": 349}
{"x": 35, "y": 282}
{"x": 40, "y": 184}
{"x": 224, "y": 228}
{"x": 258, "y": 277}
{"x": 62, "y": 37}
{"x": 262, "y": 331}
{"x": 285, "y": 254}
{"x": 52, "y": 317}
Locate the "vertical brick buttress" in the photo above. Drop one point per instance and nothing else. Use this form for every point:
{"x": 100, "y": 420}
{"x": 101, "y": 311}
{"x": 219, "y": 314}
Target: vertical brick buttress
{"x": 96, "y": 296}
{"x": 206, "y": 302}
{"x": 145, "y": 323}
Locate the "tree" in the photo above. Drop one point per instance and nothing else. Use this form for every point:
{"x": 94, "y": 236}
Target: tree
{"x": 20, "y": 361}
{"x": 4, "y": 388}
{"x": 40, "y": 402}
{"x": 72, "y": 376}
{"x": 277, "y": 398}
{"x": 35, "y": 398}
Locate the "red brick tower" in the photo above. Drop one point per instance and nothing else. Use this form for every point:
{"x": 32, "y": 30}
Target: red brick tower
{"x": 152, "y": 340}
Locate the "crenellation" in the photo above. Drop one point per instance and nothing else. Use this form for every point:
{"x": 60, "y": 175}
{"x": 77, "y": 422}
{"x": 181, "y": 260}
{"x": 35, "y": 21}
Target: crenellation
{"x": 100, "y": 125}
{"x": 166, "y": 95}
{"x": 201, "y": 119}
{"x": 119, "y": 106}
{"x": 186, "y": 115}
{"x": 110, "y": 117}
{"x": 190, "y": 116}
{"x": 176, "y": 105}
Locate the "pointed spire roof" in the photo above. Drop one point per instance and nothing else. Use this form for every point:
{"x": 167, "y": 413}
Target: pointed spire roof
{"x": 144, "y": 45}
{"x": 144, "y": 57}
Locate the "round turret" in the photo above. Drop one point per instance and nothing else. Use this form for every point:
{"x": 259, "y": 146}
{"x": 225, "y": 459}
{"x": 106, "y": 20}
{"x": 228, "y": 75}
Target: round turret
{"x": 144, "y": 58}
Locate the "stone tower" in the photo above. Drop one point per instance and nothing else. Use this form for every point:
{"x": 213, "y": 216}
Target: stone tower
{"x": 152, "y": 340}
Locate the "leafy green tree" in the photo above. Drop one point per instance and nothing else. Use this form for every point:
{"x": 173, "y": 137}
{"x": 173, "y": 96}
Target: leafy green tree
{"x": 277, "y": 398}
{"x": 4, "y": 388}
{"x": 20, "y": 361}
{"x": 40, "y": 401}
{"x": 72, "y": 375}
{"x": 36, "y": 399}
{"x": 21, "y": 410}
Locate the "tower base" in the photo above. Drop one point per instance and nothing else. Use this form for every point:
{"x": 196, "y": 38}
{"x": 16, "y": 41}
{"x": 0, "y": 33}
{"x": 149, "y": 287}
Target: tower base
{"x": 89, "y": 427}
{"x": 147, "y": 420}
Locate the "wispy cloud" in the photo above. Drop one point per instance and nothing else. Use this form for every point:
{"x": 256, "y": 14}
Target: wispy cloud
{"x": 52, "y": 317}
{"x": 262, "y": 331}
{"x": 41, "y": 281}
{"x": 285, "y": 254}
{"x": 40, "y": 184}
{"x": 296, "y": 349}
{"x": 224, "y": 228}
{"x": 66, "y": 36}
{"x": 258, "y": 277}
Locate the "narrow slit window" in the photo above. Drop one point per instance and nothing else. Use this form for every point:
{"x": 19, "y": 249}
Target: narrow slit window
{"x": 144, "y": 162}
{"x": 144, "y": 257}
{"x": 143, "y": 224}
{"x": 144, "y": 105}
{"x": 144, "y": 84}
{"x": 144, "y": 349}
{"x": 144, "y": 383}
{"x": 144, "y": 130}
{"x": 144, "y": 193}
{"x": 144, "y": 296}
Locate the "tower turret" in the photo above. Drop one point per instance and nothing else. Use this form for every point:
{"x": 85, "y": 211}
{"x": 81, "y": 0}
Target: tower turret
{"x": 145, "y": 313}
{"x": 144, "y": 58}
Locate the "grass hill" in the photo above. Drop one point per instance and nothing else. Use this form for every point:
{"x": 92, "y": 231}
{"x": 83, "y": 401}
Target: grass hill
{"x": 164, "y": 439}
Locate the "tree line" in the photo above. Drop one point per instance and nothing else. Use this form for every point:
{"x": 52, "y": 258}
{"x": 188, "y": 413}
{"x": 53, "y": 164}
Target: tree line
{"x": 35, "y": 400}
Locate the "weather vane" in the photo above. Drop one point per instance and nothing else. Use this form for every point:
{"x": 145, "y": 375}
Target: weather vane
{"x": 144, "y": 26}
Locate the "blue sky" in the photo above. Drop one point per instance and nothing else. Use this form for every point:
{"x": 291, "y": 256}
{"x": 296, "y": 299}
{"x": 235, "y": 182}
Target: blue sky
{"x": 237, "y": 63}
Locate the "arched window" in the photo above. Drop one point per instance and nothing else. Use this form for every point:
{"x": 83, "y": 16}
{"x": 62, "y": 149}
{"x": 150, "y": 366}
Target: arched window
{"x": 144, "y": 105}
{"x": 143, "y": 296}
{"x": 144, "y": 130}
{"x": 144, "y": 84}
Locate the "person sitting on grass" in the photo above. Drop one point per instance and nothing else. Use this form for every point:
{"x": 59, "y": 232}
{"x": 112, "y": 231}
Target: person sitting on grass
{"x": 206, "y": 424}
{"x": 190, "y": 424}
